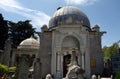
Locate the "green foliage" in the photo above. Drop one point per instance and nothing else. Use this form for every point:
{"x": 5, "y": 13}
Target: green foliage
{"x": 13, "y": 69}
{"x": 17, "y": 32}
{"x": 3, "y": 69}
{"x": 8, "y": 72}
{"x": 13, "y": 72}
{"x": 20, "y": 31}
{"x": 108, "y": 51}
{"x": 117, "y": 75}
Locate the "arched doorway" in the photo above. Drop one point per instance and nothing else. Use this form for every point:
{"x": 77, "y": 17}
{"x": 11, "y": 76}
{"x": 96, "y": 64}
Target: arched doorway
{"x": 69, "y": 44}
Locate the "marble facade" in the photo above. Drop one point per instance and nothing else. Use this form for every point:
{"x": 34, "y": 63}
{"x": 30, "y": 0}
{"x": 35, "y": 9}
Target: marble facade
{"x": 69, "y": 30}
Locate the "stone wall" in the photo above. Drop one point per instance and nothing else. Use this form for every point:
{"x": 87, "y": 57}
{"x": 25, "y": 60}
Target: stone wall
{"x": 96, "y": 53}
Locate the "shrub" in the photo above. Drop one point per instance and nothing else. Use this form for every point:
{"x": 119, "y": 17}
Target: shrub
{"x": 3, "y": 69}
{"x": 117, "y": 75}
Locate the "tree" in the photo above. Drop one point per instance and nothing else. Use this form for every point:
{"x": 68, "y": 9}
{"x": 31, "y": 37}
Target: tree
{"x": 108, "y": 51}
{"x": 3, "y": 32}
{"x": 20, "y": 31}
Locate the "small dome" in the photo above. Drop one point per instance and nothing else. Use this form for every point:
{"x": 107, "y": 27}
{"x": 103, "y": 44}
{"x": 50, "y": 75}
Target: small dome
{"x": 95, "y": 28}
{"x": 71, "y": 13}
{"x": 29, "y": 43}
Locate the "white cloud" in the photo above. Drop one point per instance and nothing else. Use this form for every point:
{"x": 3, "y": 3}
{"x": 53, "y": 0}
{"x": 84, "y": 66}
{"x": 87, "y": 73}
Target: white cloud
{"x": 38, "y": 18}
{"x": 81, "y": 2}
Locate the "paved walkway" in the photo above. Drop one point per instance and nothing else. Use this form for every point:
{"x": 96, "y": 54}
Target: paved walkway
{"x": 105, "y": 78}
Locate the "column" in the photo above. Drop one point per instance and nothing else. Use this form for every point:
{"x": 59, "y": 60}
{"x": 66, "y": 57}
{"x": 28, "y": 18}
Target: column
{"x": 83, "y": 60}
{"x": 87, "y": 63}
{"x": 13, "y": 59}
{"x": 62, "y": 55}
{"x": 58, "y": 75}
{"x": 37, "y": 69}
{"x": 7, "y": 52}
{"x": 23, "y": 67}
{"x": 79, "y": 58}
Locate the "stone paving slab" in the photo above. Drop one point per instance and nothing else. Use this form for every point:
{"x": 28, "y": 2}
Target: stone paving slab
{"x": 105, "y": 78}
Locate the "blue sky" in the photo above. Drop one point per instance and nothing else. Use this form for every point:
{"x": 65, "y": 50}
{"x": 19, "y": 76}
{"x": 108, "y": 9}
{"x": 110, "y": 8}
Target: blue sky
{"x": 105, "y": 13}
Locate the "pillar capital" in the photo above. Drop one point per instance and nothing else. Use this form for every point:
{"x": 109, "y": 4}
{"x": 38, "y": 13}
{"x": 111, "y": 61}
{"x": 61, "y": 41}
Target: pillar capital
{"x": 82, "y": 51}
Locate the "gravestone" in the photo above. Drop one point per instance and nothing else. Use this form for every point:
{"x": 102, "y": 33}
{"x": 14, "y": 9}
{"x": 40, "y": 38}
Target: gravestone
{"x": 37, "y": 69}
{"x": 48, "y": 76}
{"x": 93, "y": 77}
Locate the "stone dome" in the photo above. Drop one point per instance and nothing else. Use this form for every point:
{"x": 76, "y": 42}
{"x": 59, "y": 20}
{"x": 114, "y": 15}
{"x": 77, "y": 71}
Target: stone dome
{"x": 72, "y": 13}
{"x": 29, "y": 43}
